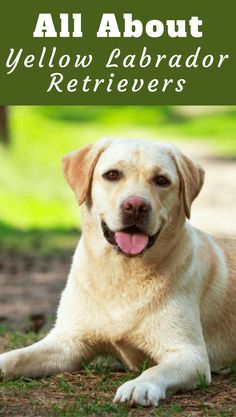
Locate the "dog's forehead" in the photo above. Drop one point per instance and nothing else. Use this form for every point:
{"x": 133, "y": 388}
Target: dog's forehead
{"x": 138, "y": 153}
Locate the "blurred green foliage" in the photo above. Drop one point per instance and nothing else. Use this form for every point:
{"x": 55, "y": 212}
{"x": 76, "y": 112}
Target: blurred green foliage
{"x": 33, "y": 193}
{"x": 37, "y": 242}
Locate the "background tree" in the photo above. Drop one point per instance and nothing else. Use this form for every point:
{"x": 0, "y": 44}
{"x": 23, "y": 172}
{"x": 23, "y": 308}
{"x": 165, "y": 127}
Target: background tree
{"x": 4, "y": 126}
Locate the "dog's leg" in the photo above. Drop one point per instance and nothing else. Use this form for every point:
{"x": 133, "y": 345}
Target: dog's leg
{"x": 182, "y": 369}
{"x": 57, "y": 352}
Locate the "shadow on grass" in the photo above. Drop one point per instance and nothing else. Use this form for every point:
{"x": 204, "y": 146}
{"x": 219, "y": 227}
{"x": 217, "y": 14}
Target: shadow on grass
{"x": 35, "y": 242}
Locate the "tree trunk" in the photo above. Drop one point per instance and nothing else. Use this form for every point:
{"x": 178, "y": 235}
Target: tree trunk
{"x": 4, "y": 127}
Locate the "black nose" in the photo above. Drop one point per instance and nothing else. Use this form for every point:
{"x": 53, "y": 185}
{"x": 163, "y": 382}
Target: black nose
{"x": 136, "y": 207}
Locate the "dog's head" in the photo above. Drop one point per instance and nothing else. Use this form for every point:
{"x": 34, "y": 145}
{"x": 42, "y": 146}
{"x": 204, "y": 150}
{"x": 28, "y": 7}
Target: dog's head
{"x": 133, "y": 190}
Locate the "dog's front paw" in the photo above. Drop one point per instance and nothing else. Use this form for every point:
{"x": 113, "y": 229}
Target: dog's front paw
{"x": 8, "y": 365}
{"x": 4, "y": 365}
{"x": 136, "y": 391}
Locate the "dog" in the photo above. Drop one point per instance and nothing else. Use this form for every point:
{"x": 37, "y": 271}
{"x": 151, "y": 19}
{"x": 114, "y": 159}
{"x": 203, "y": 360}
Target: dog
{"x": 144, "y": 284}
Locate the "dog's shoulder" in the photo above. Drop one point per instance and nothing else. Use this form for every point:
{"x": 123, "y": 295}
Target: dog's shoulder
{"x": 228, "y": 247}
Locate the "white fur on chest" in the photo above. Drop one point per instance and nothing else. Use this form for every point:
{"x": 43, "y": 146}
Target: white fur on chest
{"x": 109, "y": 303}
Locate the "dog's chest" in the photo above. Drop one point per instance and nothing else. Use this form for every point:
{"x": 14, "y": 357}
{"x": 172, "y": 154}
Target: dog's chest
{"x": 115, "y": 313}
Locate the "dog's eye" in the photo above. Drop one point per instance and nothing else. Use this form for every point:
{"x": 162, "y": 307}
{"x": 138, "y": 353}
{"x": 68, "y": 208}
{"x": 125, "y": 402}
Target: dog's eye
{"x": 112, "y": 175}
{"x": 162, "y": 181}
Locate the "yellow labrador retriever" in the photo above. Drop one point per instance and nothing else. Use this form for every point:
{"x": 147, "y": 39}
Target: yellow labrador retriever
{"x": 143, "y": 283}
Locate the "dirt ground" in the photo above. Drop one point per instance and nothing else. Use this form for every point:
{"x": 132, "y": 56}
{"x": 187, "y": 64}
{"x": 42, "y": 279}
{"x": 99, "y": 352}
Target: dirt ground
{"x": 214, "y": 210}
{"x": 91, "y": 394}
{"x": 29, "y": 294}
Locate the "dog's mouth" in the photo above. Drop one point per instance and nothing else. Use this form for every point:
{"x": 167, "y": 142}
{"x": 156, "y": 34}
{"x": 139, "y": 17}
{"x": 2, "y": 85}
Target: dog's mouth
{"x": 131, "y": 240}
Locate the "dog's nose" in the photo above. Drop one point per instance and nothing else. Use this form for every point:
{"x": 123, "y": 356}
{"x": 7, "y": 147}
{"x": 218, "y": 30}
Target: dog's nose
{"x": 136, "y": 207}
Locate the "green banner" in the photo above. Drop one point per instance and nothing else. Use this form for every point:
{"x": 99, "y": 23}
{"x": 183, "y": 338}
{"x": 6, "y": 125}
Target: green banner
{"x": 110, "y": 52}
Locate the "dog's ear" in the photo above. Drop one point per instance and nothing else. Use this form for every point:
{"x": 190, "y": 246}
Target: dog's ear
{"x": 78, "y": 167}
{"x": 191, "y": 177}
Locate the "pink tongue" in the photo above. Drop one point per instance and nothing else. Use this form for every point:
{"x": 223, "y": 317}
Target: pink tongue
{"x": 132, "y": 244}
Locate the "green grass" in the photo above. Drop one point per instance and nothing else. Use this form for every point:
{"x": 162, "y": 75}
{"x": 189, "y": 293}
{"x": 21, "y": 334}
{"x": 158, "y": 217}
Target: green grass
{"x": 34, "y": 197}
{"x": 98, "y": 366}
{"x": 203, "y": 384}
{"x": 22, "y": 385}
{"x": 81, "y": 408}
{"x": 17, "y": 339}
